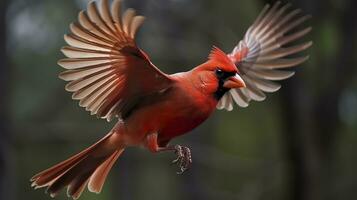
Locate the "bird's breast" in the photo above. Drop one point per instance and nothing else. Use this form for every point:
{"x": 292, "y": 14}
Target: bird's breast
{"x": 187, "y": 109}
{"x": 176, "y": 112}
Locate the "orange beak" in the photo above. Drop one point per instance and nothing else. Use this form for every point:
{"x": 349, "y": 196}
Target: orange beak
{"x": 234, "y": 82}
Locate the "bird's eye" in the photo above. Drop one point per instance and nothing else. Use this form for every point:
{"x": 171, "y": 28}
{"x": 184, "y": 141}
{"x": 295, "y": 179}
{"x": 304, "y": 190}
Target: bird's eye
{"x": 219, "y": 72}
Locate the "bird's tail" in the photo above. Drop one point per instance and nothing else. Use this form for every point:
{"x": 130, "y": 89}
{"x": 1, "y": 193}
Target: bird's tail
{"x": 90, "y": 166}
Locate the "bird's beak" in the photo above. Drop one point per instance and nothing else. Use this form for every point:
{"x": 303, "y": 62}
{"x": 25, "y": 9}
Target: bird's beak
{"x": 234, "y": 82}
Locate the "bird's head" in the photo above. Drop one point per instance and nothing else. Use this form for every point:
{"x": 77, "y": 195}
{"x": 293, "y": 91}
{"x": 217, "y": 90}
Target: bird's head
{"x": 219, "y": 74}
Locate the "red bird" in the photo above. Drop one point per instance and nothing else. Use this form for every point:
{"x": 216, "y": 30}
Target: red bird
{"x": 113, "y": 78}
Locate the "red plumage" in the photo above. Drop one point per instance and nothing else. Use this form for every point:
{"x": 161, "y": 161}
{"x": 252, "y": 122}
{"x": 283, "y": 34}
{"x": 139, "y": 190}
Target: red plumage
{"x": 113, "y": 78}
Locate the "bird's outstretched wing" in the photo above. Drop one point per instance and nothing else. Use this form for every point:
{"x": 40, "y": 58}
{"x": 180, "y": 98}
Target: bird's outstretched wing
{"x": 261, "y": 56}
{"x": 108, "y": 73}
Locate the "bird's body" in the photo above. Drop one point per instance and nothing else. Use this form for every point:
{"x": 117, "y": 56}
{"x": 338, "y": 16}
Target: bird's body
{"x": 172, "y": 112}
{"x": 113, "y": 78}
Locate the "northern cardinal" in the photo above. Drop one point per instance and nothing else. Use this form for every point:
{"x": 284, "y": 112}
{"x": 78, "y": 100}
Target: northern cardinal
{"x": 113, "y": 78}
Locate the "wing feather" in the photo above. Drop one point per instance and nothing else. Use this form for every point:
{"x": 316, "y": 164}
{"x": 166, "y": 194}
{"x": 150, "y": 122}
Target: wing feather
{"x": 75, "y": 41}
{"x": 74, "y": 52}
{"x": 137, "y": 22}
{"x": 81, "y": 83}
{"x": 84, "y": 21}
{"x": 104, "y": 67}
{"x": 278, "y": 63}
{"x": 76, "y": 63}
{"x": 89, "y": 89}
{"x": 75, "y": 74}
{"x": 106, "y": 14}
{"x": 116, "y": 14}
{"x": 268, "y": 43}
{"x": 282, "y": 52}
{"x": 79, "y": 31}
{"x": 96, "y": 17}
{"x": 93, "y": 96}
{"x": 269, "y": 74}
{"x": 239, "y": 98}
{"x": 128, "y": 17}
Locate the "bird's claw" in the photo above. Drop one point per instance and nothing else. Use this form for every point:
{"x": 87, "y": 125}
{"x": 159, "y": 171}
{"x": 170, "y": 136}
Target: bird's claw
{"x": 183, "y": 159}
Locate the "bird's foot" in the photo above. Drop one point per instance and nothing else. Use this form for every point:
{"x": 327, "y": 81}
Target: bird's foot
{"x": 183, "y": 159}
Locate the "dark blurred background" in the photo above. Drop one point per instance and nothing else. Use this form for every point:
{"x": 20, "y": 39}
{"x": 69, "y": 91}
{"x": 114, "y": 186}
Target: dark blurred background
{"x": 299, "y": 144}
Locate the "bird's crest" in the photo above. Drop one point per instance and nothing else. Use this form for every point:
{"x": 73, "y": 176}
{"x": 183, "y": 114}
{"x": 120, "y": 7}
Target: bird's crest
{"x": 219, "y": 56}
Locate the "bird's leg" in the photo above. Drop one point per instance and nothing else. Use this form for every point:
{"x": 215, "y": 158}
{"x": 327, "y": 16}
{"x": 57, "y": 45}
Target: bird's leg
{"x": 183, "y": 159}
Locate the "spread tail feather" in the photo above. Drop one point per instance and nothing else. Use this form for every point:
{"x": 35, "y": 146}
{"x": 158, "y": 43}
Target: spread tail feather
{"x": 90, "y": 166}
